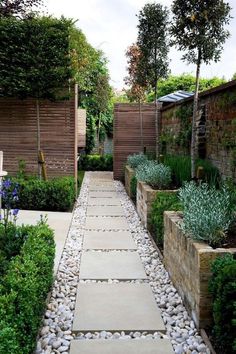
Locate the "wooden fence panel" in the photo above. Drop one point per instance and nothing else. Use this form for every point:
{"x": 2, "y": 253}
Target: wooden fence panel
{"x": 127, "y": 133}
{"x": 18, "y": 135}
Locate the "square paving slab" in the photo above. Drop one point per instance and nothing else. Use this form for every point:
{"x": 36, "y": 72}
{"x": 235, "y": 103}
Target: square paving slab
{"x": 106, "y": 223}
{"x": 116, "y": 307}
{"x": 109, "y": 240}
{"x": 140, "y": 346}
{"x": 111, "y": 265}
{"x": 105, "y": 211}
{"x": 102, "y": 188}
{"x": 102, "y": 194}
{"x": 104, "y": 201}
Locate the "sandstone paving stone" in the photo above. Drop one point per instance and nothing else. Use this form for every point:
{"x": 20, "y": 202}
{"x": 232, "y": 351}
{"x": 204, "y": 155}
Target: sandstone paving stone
{"x": 102, "y": 194}
{"x": 101, "y": 187}
{"x": 106, "y": 223}
{"x": 105, "y": 211}
{"x": 104, "y": 201}
{"x": 111, "y": 265}
{"x": 116, "y": 240}
{"x": 141, "y": 346}
{"x": 116, "y": 307}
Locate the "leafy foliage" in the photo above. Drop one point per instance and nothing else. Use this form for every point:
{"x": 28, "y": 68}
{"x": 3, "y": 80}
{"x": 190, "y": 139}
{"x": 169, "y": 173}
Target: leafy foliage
{"x": 57, "y": 194}
{"x": 23, "y": 291}
{"x": 19, "y": 8}
{"x": 156, "y": 175}
{"x": 40, "y": 66}
{"x": 164, "y": 201}
{"x": 184, "y": 82}
{"x": 136, "y": 159}
{"x": 181, "y": 170}
{"x": 207, "y": 212}
{"x": 96, "y": 163}
{"x": 133, "y": 188}
{"x": 223, "y": 289}
{"x": 152, "y": 43}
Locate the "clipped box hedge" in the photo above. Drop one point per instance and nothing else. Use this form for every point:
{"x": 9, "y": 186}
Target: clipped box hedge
{"x": 96, "y": 162}
{"x": 57, "y": 194}
{"x": 23, "y": 291}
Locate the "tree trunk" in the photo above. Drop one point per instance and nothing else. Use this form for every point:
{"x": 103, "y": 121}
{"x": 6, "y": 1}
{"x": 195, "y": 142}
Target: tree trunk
{"x": 98, "y": 133}
{"x": 141, "y": 124}
{"x": 157, "y": 125}
{"x": 194, "y": 120}
{"x": 38, "y": 137}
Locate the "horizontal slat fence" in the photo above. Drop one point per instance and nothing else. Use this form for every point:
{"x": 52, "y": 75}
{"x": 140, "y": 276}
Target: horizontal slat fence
{"x": 18, "y": 135}
{"x": 127, "y": 133}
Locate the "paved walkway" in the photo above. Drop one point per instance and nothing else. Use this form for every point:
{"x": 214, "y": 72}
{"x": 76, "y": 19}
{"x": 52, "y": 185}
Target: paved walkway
{"x": 109, "y": 253}
{"x": 58, "y": 221}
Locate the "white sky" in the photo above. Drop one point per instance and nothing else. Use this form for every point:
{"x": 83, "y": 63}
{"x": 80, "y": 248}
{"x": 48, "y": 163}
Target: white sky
{"x": 111, "y": 25}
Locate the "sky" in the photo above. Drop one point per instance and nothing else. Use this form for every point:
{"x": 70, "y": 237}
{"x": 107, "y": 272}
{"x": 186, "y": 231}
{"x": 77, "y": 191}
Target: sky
{"x": 111, "y": 25}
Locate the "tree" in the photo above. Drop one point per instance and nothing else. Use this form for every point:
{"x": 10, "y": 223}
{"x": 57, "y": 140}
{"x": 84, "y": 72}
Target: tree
{"x": 35, "y": 59}
{"x": 184, "y": 82}
{"x": 198, "y": 28}
{"x": 136, "y": 91}
{"x": 18, "y": 8}
{"x": 153, "y": 44}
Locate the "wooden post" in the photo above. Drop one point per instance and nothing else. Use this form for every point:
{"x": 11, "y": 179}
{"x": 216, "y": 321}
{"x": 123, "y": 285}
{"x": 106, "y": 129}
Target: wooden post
{"x": 2, "y": 174}
{"x": 43, "y": 165}
{"x": 76, "y": 139}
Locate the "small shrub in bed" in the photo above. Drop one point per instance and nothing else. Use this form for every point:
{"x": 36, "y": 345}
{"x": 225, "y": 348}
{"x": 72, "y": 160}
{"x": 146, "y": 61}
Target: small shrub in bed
{"x": 207, "y": 212}
{"x": 96, "y": 162}
{"x": 133, "y": 188}
{"x": 57, "y": 194}
{"x": 156, "y": 175}
{"x": 136, "y": 159}
{"x": 223, "y": 289}
{"x": 23, "y": 291}
{"x": 164, "y": 201}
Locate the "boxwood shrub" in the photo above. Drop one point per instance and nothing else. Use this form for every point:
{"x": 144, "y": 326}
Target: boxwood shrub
{"x": 23, "y": 291}
{"x": 96, "y": 162}
{"x": 57, "y": 194}
{"x": 164, "y": 201}
{"x": 223, "y": 289}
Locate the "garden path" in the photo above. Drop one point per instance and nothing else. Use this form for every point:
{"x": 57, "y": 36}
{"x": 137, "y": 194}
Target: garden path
{"x": 109, "y": 253}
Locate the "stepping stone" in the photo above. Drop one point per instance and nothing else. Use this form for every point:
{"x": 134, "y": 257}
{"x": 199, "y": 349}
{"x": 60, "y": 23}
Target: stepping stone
{"x": 110, "y": 240}
{"x": 104, "y": 201}
{"x": 106, "y": 223}
{"x": 103, "y": 188}
{"x": 124, "y": 346}
{"x": 111, "y": 265}
{"x": 116, "y": 307}
{"x": 102, "y": 194}
{"x": 105, "y": 211}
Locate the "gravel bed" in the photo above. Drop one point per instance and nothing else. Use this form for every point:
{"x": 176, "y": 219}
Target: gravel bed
{"x": 56, "y": 333}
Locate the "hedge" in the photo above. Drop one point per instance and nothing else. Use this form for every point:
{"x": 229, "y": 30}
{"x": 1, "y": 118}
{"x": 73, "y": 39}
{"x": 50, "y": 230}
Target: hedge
{"x": 96, "y": 162}
{"x": 223, "y": 289}
{"x": 164, "y": 201}
{"x": 57, "y": 194}
{"x": 23, "y": 291}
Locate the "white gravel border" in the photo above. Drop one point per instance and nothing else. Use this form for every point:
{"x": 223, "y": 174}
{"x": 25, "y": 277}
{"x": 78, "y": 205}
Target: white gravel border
{"x": 56, "y": 333}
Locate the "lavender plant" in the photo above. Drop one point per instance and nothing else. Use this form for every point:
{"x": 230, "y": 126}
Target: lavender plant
{"x": 154, "y": 174}
{"x": 207, "y": 212}
{"x": 136, "y": 159}
{"x": 9, "y": 195}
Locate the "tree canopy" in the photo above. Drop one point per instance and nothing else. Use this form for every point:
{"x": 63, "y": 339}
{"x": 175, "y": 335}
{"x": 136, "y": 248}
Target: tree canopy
{"x": 184, "y": 82}
{"x": 18, "y": 8}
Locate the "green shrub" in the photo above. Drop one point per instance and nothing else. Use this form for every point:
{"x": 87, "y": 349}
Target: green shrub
{"x": 154, "y": 174}
{"x": 207, "y": 212}
{"x": 223, "y": 289}
{"x": 11, "y": 240}
{"x": 133, "y": 188}
{"x": 57, "y": 194}
{"x": 96, "y": 162}
{"x": 164, "y": 201}
{"x": 181, "y": 170}
{"x": 23, "y": 292}
{"x": 136, "y": 159}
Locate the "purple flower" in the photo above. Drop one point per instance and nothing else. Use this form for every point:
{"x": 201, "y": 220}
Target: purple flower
{"x": 6, "y": 183}
{"x": 15, "y": 212}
